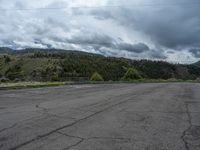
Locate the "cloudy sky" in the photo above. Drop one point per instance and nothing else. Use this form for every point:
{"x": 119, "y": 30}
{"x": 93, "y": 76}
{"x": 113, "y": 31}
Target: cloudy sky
{"x": 138, "y": 29}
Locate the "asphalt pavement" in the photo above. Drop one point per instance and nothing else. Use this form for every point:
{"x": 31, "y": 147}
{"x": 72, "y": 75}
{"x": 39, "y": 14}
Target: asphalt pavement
{"x": 163, "y": 116}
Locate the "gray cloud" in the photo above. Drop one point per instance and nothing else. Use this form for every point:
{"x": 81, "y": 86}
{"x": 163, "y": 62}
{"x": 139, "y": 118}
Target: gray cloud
{"x": 176, "y": 32}
{"x": 136, "y": 48}
{"x": 97, "y": 41}
{"x": 195, "y": 52}
{"x": 176, "y": 27}
{"x": 155, "y": 54}
{"x": 102, "y": 14}
{"x": 92, "y": 39}
{"x": 132, "y": 32}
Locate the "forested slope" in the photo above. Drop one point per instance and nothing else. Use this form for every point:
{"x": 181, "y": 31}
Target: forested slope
{"x": 62, "y": 65}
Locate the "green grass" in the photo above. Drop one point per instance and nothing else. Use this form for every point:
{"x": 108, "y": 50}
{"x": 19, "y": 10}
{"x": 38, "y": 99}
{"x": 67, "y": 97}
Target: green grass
{"x": 146, "y": 81}
{"x": 27, "y": 64}
{"x": 24, "y": 85}
{"x": 30, "y": 64}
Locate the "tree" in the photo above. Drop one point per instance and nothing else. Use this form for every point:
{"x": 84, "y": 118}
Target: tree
{"x": 15, "y": 73}
{"x": 96, "y": 77}
{"x": 131, "y": 74}
{"x": 7, "y": 59}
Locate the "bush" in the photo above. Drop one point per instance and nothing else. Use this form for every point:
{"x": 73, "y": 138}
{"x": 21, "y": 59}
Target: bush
{"x": 16, "y": 80}
{"x": 4, "y": 80}
{"x": 15, "y": 75}
{"x": 15, "y": 72}
{"x": 7, "y": 59}
{"x": 132, "y": 74}
{"x": 55, "y": 78}
{"x": 96, "y": 77}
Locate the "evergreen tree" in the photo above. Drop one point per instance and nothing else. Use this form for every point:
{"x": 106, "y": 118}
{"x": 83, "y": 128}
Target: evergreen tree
{"x": 132, "y": 74}
{"x": 96, "y": 77}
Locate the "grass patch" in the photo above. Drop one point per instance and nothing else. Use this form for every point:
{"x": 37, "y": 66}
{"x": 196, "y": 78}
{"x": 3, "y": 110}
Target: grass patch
{"x": 24, "y": 85}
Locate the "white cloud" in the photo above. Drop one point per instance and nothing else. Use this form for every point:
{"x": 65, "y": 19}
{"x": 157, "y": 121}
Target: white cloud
{"x": 161, "y": 28}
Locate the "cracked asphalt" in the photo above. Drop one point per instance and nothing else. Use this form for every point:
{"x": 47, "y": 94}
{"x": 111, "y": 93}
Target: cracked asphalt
{"x": 101, "y": 117}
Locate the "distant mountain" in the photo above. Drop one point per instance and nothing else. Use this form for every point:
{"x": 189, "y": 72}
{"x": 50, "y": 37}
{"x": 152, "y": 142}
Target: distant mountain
{"x": 197, "y": 64}
{"x": 5, "y": 50}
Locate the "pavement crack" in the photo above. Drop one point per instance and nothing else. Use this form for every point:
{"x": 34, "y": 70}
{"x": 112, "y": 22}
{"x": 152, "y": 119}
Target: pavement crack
{"x": 95, "y": 137}
{"x": 80, "y": 110}
{"x": 74, "y": 145}
{"x": 68, "y": 125}
{"x": 110, "y": 138}
{"x": 72, "y": 136}
{"x": 77, "y": 137}
{"x": 5, "y": 129}
{"x": 82, "y": 139}
{"x": 187, "y": 147}
{"x": 46, "y": 111}
{"x": 78, "y": 121}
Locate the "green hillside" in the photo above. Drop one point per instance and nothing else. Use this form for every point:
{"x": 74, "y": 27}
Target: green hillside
{"x": 62, "y": 65}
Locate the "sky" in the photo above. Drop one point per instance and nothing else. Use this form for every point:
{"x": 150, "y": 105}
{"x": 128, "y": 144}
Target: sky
{"x": 137, "y": 29}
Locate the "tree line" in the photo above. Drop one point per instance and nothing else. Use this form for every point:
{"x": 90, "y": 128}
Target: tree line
{"x": 76, "y": 66}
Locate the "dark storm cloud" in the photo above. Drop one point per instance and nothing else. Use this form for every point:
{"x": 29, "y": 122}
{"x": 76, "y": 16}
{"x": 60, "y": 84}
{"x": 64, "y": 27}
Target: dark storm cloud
{"x": 195, "y": 52}
{"x": 155, "y": 54}
{"x": 97, "y": 41}
{"x": 133, "y": 31}
{"x": 92, "y": 39}
{"x": 175, "y": 27}
{"x": 170, "y": 52}
{"x": 176, "y": 31}
{"x": 136, "y": 48}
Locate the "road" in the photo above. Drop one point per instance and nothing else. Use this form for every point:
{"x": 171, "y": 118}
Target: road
{"x": 102, "y": 117}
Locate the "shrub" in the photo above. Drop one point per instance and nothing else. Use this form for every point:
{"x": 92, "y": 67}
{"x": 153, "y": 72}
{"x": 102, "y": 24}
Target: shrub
{"x": 55, "y": 78}
{"x": 7, "y": 59}
{"x": 15, "y": 75}
{"x": 4, "y": 80}
{"x": 131, "y": 74}
{"x": 16, "y": 80}
{"x": 96, "y": 77}
{"x": 15, "y": 72}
